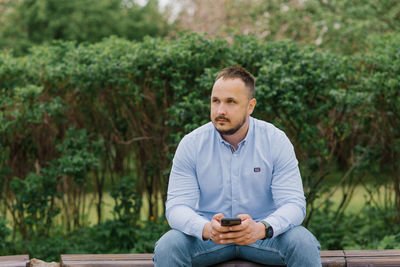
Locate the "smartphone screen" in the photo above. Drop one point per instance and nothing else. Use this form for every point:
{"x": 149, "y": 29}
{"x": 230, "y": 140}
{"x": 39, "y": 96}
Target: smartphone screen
{"x": 230, "y": 221}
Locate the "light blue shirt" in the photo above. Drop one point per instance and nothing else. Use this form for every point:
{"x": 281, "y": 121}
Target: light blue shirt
{"x": 261, "y": 178}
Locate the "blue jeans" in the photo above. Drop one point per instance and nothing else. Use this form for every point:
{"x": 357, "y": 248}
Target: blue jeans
{"x": 296, "y": 247}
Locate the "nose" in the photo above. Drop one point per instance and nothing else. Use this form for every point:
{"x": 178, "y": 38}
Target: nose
{"x": 221, "y": 109}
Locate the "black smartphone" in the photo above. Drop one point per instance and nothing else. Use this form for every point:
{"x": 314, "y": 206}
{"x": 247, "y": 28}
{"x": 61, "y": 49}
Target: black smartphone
{"x": 230, "y": 221}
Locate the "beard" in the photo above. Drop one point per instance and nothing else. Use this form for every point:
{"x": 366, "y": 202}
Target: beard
{"x": 232, "y": 130}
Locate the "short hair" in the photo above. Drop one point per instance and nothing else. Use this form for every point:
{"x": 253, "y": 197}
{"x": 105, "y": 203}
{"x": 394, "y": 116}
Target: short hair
{"x": 233, "y": 72}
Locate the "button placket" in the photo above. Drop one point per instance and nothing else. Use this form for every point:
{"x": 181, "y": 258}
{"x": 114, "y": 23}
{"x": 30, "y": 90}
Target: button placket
{"x": 235, "y": 183}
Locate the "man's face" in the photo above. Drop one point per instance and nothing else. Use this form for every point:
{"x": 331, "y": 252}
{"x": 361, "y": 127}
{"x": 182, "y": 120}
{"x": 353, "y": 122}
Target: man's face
{"x": 230, "y": 105}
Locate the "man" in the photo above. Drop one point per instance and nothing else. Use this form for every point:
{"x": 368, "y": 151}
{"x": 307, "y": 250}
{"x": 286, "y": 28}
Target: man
{"x": 235, "y": 166}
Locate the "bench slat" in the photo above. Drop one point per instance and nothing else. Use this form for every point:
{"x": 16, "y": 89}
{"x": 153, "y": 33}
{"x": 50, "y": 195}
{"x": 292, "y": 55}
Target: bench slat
{"x": 106, "y": 260}
{"x": 332, "y": 253}
{"x": 101, "y": 257}
{"x": 373, "y": 258}
{"x": 14, "y": 260}
{"x": 333, "y": 258}
{"x": 141, "y": 263}
{"x": 372, "y": 253}
{"x": 373, "y": 262}
{"x": 333, "y": 262}
{"x": 241, "y": 263}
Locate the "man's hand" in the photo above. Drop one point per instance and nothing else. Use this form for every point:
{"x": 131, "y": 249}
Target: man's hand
{"x": 246, "y": 233}
{"x": 213, "y": 229}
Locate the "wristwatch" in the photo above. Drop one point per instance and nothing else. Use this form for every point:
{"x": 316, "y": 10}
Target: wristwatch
{"x": 269, "y": 232}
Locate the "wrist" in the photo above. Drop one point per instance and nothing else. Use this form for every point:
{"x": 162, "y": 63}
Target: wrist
{"x": 207, "y": 231}
{"x": 268, "y": 231}
{"x": 261, "y": 231}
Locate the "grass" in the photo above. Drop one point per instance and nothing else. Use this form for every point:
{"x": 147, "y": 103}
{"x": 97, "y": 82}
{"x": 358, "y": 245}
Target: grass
{"x": 108, "y": 208}
{"x": 356, "y": 204}
{"x": 361, "y": 197}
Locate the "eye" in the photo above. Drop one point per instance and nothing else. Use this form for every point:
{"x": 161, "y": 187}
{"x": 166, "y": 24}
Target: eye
{"x": 231, "y": 101}
{"x": 215, "y": 100}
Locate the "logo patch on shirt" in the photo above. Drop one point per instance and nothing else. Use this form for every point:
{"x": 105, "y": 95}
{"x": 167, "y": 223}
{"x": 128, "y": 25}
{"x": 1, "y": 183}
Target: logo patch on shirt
{"x": 257, "y": 169}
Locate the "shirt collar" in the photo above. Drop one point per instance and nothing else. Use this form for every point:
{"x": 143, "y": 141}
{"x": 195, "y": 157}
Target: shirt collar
{"x": 248, "y": 134}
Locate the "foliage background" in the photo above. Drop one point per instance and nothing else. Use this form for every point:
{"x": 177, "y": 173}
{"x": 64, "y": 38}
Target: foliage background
{"x": 95, "y": 118}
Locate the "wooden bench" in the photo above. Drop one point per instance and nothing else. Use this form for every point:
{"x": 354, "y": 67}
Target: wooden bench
{"x": 14, "y": 261}
{"x": 358, "y": 258}
{"x": 333, "y": 258}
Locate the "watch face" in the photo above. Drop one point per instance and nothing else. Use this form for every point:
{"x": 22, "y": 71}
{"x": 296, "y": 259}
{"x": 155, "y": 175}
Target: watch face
{"x": 270, "y": 232}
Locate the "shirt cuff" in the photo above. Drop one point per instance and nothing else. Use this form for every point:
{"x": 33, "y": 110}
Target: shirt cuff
{"x": 197, "y": 228}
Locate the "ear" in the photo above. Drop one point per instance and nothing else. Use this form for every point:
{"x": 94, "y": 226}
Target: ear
{"x": 252, "y": 105}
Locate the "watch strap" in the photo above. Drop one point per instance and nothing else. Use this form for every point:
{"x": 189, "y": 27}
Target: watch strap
{"x": 269, "y": 232}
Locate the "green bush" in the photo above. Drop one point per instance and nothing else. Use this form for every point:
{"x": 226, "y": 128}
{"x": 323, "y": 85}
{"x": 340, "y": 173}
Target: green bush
{"x": 4, "y": 234}
{"x": 28, "y": 22}
{"x": 74, "y": 117}
{"x": 372, "y": 228}
{"x": 148, "y": 234}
